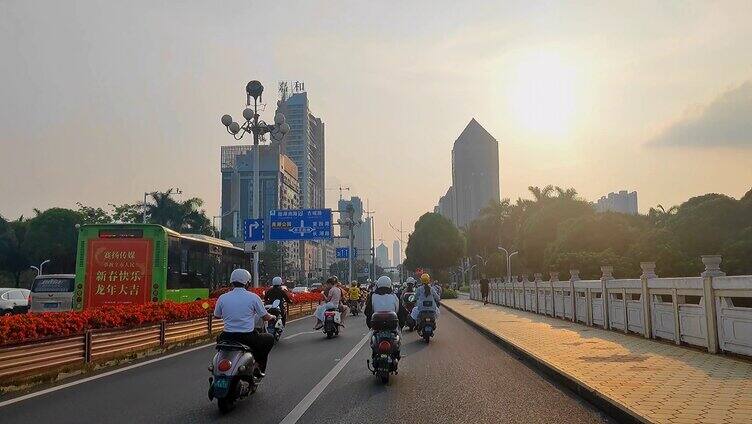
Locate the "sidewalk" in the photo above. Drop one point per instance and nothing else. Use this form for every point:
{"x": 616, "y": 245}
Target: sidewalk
{"x": 652, "y": 381}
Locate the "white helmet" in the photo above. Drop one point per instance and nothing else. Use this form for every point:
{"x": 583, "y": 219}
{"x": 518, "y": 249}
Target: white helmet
{"x": 410, "y": 280}
{"x": 241, "y": 276}
{"x": 277, "y": 281}
{"x": 384, "y": 281}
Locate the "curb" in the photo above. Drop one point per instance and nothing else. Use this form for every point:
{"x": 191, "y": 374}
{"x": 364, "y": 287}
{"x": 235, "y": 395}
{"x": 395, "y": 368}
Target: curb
{"x": 610, "y": 407}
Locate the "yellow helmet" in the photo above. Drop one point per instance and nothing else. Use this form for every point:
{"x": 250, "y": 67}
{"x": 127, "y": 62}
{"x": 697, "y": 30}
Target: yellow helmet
{"x": 425, "y": 278}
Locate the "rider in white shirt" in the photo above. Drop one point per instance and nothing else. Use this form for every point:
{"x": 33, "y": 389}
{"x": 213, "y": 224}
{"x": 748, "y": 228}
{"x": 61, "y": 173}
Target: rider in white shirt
{"x": 239, "y": 309}
{"x": 332, "y": 297}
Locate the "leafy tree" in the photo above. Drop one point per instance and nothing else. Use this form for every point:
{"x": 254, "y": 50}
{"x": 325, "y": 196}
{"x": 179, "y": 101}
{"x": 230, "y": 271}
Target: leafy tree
{"x": 92, "y": 215}
{"x": 435, "y": 244}
{"x": 52, "y": 235}
{"x": 127, "y": 213}
{"x": 13, "y": 259}
{"x": 557, "y": 230}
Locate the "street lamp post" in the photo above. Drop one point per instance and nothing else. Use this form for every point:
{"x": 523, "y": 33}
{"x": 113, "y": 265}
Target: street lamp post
{"x": 258, "y": 128}
{"x": 40, "y": 268}
{"x": 509, "y": 263}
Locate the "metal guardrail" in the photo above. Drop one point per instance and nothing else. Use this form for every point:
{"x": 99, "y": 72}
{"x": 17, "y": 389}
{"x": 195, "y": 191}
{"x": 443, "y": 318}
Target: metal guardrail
{"x": 21, "y": 362}
{"x": 37, "y": 358}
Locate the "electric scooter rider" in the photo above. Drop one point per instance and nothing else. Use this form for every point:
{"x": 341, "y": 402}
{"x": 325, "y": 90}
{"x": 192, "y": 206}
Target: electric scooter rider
{"x": 332, "y": 296}
{"x": 239, "y": 309}
{"x": 426, "y": 298}
{"x": 276, "y": 293}
{"x": 383, "y": 299}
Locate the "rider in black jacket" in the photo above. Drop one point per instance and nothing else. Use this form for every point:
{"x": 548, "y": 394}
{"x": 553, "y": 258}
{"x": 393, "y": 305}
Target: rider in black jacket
{"x": 276, "y": 293}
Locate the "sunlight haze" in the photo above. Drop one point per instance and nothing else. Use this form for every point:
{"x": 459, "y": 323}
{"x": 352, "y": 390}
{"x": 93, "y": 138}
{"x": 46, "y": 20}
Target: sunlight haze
{"x": 103, "y": 101}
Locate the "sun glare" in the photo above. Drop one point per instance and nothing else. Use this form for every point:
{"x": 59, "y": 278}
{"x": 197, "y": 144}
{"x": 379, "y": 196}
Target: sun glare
{"x": 542, "y": 93}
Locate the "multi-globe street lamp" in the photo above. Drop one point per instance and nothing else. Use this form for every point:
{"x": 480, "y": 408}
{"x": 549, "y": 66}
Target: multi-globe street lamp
{"x": 253, "y": 125}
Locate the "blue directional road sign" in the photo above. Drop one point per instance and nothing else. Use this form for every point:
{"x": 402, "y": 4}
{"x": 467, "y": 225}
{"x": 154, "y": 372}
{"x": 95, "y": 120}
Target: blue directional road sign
{"x": 342, "y": 253}
{"x": 253, "y": 229}
{"x": 300, "y": 224}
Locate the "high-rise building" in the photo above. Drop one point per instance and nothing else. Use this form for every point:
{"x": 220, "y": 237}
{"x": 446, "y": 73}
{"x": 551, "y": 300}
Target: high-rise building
{"x": 305, "y": 145}
{"x": 278, "y": 179}
{"x": 396, "y": 253}
{"x": 446, "y": 205}
{"x": 382, "y": 256}
{"x": 622, "y": 202}
{"x": 475, "y": 172}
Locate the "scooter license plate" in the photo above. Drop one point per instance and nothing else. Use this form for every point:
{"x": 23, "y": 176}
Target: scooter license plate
{"x": 221, "y": 383}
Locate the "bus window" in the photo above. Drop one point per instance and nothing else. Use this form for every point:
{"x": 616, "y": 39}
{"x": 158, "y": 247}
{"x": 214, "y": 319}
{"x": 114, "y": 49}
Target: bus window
{"x": 174, "y": 265}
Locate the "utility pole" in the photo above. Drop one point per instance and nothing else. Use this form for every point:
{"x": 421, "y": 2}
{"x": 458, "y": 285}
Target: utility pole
{"x": 373, "y": 241}
{"x": 351, "y": 239}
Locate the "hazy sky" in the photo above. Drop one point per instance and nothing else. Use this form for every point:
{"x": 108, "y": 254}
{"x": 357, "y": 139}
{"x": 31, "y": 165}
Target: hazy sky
{"x": 101, "y": 101}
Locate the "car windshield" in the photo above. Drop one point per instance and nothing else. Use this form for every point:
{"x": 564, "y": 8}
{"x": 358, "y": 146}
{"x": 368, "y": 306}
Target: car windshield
{"x": 49, "y": 285}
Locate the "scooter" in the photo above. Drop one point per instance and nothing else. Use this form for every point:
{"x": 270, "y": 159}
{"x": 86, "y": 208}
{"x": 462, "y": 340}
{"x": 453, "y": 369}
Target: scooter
{"x": 385, "y": 345}
{"x": 408, "y": 303}
{"x": 354, "y": 307}
{"x": 426, "y": 325}
{"x": 332, "y": 322}
{"x": 234, "y": 374}
{"x": 275, "y": 326}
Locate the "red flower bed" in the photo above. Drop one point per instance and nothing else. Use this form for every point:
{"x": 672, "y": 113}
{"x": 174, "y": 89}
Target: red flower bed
{"x": 296, "y": 297}
{"x": 27, "y": 327}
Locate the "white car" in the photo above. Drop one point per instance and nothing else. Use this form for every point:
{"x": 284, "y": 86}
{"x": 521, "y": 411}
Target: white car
{"x": 300, "y": 289}
{"x": 14, "y": 301}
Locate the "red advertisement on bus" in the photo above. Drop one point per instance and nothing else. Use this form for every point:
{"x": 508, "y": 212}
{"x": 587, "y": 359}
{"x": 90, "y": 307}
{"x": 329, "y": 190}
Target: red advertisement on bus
{"x": 118, "y": 272}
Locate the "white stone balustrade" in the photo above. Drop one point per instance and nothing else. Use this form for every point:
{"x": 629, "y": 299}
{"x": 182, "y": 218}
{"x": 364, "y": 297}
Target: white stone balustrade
{"x": 713, "y": 310}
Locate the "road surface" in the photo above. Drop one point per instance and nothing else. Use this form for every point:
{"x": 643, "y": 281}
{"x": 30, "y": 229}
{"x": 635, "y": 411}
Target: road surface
{"x": 461, "y": 377}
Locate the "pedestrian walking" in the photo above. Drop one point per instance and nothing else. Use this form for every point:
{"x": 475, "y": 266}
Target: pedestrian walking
{"x": 484, "y": 288}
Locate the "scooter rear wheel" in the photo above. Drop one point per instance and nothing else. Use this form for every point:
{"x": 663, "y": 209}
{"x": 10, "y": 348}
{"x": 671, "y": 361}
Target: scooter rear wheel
{"x": 384, "y": 377}
{"x": 225, "y": 405}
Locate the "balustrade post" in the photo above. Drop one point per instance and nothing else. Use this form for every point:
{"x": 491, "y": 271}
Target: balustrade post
{"x": 537, "y": 280}
{"x": 712, "y": 269}
{"x": 209, "y": 323}
{"x": 554, "y": 278}
{"x": 648, "y": 272}
{"x": 87, "y": 346}
{"x": 607, "y": 275}
{"x": 162, "y": 332}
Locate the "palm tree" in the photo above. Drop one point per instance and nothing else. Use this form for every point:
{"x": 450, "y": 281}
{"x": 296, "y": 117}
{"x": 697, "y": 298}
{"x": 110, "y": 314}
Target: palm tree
{"x": 568, "y": 194}
{"x": 180, "y": 216}
{"x": 660, "y": 216}
{"x": 539, "y": 194}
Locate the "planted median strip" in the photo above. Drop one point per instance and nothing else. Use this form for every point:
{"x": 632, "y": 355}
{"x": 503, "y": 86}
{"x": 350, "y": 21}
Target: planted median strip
{"x": 39, "y": 347}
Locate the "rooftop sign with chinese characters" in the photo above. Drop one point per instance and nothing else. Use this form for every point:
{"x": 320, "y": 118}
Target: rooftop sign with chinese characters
{"x": 300, "y": 224}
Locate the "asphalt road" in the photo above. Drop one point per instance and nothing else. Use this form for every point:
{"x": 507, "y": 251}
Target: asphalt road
{"x": 461, "y": 377}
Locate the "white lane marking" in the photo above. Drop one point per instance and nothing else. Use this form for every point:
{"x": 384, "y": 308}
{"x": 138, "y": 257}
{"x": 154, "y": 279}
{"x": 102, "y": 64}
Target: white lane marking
{"x": 109, "y": 373}
{"x": 298, "y": 334}
{"x": 311, "y": 397}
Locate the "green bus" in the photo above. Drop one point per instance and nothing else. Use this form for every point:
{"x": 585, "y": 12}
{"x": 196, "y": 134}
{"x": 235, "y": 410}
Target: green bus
{"x": 122, "y": 264}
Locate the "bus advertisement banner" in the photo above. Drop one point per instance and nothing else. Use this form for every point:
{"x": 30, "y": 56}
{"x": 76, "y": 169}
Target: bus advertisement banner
{"x": 118, "y": 272}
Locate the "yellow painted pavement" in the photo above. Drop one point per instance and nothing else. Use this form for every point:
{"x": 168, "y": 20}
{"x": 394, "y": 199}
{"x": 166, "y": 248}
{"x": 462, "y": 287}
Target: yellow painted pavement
{"x": 657, "y": 381}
